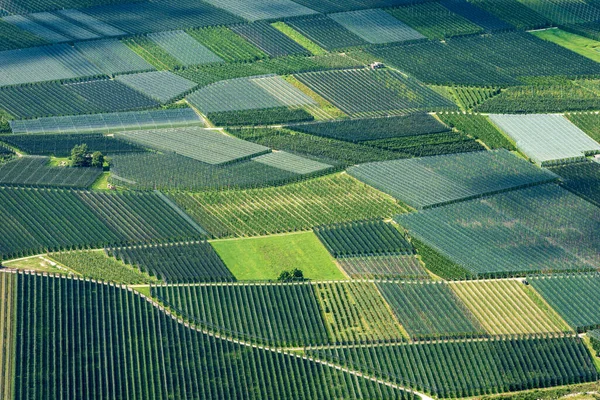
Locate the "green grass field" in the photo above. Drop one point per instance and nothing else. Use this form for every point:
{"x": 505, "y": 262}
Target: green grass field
{"x": 586, "y": 47}
{"x": 264, "y": 258}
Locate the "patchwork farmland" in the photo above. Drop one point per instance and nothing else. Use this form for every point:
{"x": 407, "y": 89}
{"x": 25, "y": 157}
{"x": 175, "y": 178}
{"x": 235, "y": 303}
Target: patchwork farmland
{"x": 299, "y": 199}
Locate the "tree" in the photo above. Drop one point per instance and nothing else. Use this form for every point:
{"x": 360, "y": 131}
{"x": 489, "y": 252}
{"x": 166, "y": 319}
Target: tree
{"x": 284, "y": 276}
{"x": 97, "y": 159}
{"x": 79, "y": 156}
{"x": 293, "y": 275}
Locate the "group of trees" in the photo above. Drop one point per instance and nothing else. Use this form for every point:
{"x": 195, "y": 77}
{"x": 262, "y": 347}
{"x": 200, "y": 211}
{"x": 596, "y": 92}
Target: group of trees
{"x": 289, "y": 276}
{"x": 81, "y": 157}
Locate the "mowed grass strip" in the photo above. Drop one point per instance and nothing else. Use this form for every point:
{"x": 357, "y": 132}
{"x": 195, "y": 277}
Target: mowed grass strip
{"x": 504, "y": 307}
{"x": 264, "y": 258}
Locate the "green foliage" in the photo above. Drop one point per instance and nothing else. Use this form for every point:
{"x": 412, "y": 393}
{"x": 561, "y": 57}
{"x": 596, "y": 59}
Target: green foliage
{"x": 493, "y": 366}
{"x": 434, "y": 20}
{"x": 469, "y": 97}
{"x": 478, "y": 127}
{"x": 430, "y": 310}
{"x": 515, "y": 13}
{"x": 362, "y": 239}
{"x": 226, "y": 44}
{"x": 574, "y": 297}
{"x": 152, "y": 53}
{"x": 299, "y": 38}
{"x": 176, "y": 262}
{"x": 330, "y": 150}
{"x": 36, "y": 171}
{"x": 61, "y": 145}
{"x": 96, "y": 265}
{"x": 587, "y": 122}
{"x": 291, "y": 276}
{"x": 12, "y": 37}
{"x": 439, "y": 264}
{"x": 79, "y": 156}
{"x": 543, "y": 98}
{"x": 207, "y": 74}
{"x": 275, "y": 314}
{"x": 581, "y": 178}
{"x": 294, "y": 207}
{"x": 267, "y": 116}
{"x": 360, "y": 130}
{"x": 148, "y": 345}
{"x": 97, "y": 160}
{"x": 428, "y": 145}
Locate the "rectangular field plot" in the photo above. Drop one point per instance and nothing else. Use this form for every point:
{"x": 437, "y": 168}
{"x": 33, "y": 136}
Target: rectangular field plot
{"x": 376, "y": 26}
{"x": 265, "y": 258}
{"x": 248, "y": 94}
{"x": 110, "y": 96}
{"x": 163, "y": 86}
{"x": 275, "y": 314}
{"x": 170, "y": 171}
{"x": 36, "y": 29}
{"x": 383, "y": 267}
{"x": 582, "y": 179}
{"x": 369, "y": 93}
{"x": 158, "y": 16}
{"x": 187, "y": 50}
{"x": 34, "y": 171}
{"x": 253, "y": 10}
{"x": 360, "y": 130}
{"x": 63, "y": 26}
{"x": 356, "y": 312}
{"x": 270, "y": 40}
{"x": 326, "y": 32}
{"x": 452, "y": 369}
{"x": 547, "y": 139}
{"x": 434, "y": 20}
{"x": 366, "y": 238}
{"x": 110, "y": 122}
{"x": 292, "y": 163}
{"x": 437, "y": 63}
{"x": 299, "y": 206}
{"x": 41, "y": 100}
{"x": 575, "y": 297}
{"x": 429, "y": 310}
{"x": 476, "y": 15}
{"x": 433, "y": 181}
{"x": 176, "y": 262}
{"x": 91, "y": 23}
{"x": 45, "y": 63}
{"x": 544, "y": 228}
{"x": 505, "y": 308}
{"x": 521, "y": 54}
{"x": 113, "y": 56}
{"x": 208, "y": 146}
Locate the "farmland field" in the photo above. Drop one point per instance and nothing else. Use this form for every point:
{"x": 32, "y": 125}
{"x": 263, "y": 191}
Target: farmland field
{"x": 186, "y": 360}
{"x": 299, "y": 199}
{"x": 264, "y": 258}
{"x": 450, "y": 178}
{"x": 356, "y": 312}
{"x": 543, "y": 228}
{"x": 175, "y": 262}
{"x": 331, "y": 199}
{"x": 429, "y": 310}
{"x": 280, "y": 313}
{"x": 574, "y": 297}
{"x": 508, "y": 308}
